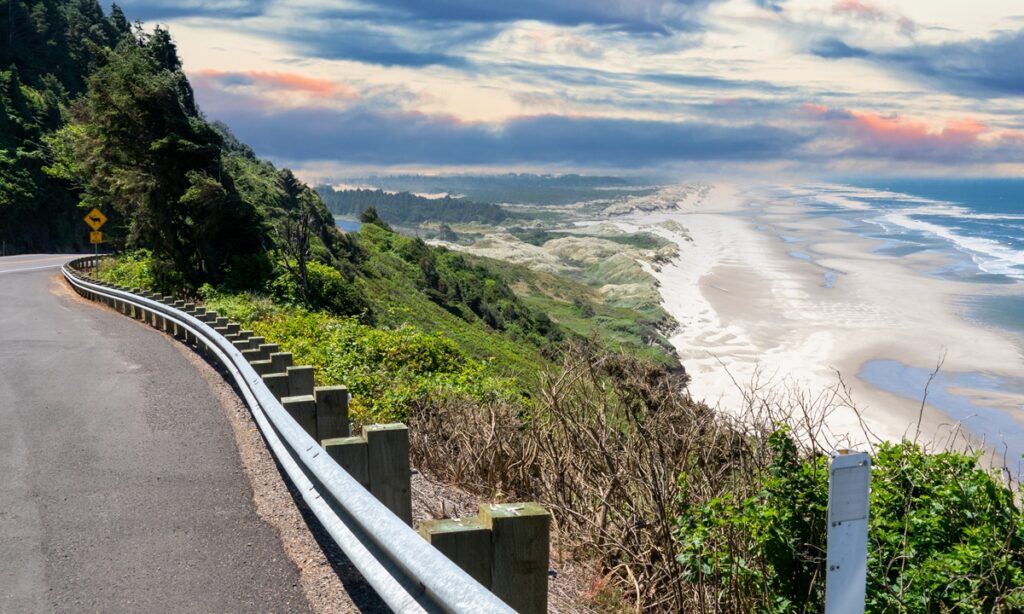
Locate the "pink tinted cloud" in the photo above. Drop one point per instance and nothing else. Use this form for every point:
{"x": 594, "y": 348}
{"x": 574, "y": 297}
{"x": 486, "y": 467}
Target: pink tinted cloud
{"x": 958, "y": 140}
{"x": 858, "y": 8}
{"x": 289, "y": 82}
{"x": 899, "y": 130}
{"x": 864, "y": 10}
{"x": 564, "y": 42}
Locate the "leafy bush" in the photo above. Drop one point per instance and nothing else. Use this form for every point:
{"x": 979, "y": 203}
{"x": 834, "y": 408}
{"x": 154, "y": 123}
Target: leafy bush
{"x": 386, "y": 370}
{"x": 328, "y": 291}
{"x": 943, "y": 535}
{"x": 134, "y": 269}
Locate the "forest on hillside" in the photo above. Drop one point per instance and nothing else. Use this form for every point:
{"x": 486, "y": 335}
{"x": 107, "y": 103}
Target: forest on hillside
{"x": 405, "y": 208}
{"x": 49, "y": 50}
{"x": 98, "y": 112}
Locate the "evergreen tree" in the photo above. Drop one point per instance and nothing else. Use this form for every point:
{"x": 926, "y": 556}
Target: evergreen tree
{"x": 122, "y": 27}
{"x": 139, "y": 145}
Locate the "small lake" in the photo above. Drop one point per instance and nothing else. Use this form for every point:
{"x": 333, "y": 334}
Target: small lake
{"x": 347, "y": 225}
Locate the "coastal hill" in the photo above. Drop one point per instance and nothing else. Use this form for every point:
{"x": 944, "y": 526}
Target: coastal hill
{"x": 516, "y": 384}
{"x": 406, "y": 209}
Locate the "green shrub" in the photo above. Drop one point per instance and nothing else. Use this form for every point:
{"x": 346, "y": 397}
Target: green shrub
{"x": 329, "y": 291}
{"x": 386, "y": 370}
{"x": 134, "y": 269}
{"x": 944, "y": 535}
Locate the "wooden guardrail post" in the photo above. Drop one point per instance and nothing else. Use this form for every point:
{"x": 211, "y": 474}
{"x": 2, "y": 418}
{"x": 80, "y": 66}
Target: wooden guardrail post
{"x": 277, "y": 383}
{"x": 251, "y": 355}
{"x": 135, "y": 311}
{"x": 387, "y": 453}
{"x": 179, "y": 332}
{"x": 281, "y": 361}
{"x": 520, "y": 545}
{"x": 350, "y": 454}
{"x": 303, "y": 409}
{"x": 300, "y": 380}
{"x": 506, "y": 547}
{"x": 196, "y": 312}
{"x": 379, "y": 460}
{"x": 467, "y": 542}
{"x": 331, "y": 412}
{"x": 240, "y": 339}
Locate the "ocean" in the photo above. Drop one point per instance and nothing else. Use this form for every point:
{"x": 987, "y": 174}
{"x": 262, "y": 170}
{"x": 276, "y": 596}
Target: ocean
{"x": 979, "y": 225}
{"x": 978, "y": 222}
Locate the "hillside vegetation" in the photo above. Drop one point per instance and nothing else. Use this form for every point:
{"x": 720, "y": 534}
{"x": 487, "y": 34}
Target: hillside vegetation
{"x": 405, "y": 209}
{"x": 49, "y": 48}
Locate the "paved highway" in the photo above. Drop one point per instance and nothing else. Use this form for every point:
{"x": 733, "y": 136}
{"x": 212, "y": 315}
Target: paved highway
{"x": 121, "y": 488}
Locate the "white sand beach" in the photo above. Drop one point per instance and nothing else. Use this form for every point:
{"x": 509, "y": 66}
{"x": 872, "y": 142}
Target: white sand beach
{"x": 791, "y": 300}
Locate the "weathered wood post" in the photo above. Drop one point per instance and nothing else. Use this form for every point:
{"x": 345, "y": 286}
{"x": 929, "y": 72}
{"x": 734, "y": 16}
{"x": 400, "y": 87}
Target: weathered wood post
{"x": 198, "y": 312}
{"x": 250, "y": 355}
{"x": 277, "y": 383}
{"x": 387, "y": 452}
{"x": 467, "y": 542}
{"x": 379, "y": 460}
{"x": 505, "y": 547}
{"x": 300, "y": 380}
{"x": 350, "y": 454}
{"x": 303, "y": 409}
{"x": 520, "y": 547}
{"x": 262, "y": 367}
{"x": 281, "y": 361}
{"x": 179, "y": 332}
{"x": 331, "y": 411}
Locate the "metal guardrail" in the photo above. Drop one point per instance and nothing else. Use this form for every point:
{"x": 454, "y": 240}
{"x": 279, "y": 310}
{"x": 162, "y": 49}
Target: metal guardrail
{"x": 407, "y": 572}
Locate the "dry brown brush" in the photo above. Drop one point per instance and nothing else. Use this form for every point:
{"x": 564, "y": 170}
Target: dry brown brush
{"x": 603, "y": 446}
{"x": 685, "y": 508}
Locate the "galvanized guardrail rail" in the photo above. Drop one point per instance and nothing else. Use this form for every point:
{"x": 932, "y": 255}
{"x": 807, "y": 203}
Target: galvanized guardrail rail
{"x": 406, "y": 571}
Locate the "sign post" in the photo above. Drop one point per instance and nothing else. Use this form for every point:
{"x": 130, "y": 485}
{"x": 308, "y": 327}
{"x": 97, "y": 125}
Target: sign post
{"x": 849, "y": 480}
{"x": 95, "y": 219}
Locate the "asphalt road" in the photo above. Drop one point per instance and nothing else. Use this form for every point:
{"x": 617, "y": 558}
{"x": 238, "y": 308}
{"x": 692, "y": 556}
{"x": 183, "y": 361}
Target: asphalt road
{"x": 121, "y": 489}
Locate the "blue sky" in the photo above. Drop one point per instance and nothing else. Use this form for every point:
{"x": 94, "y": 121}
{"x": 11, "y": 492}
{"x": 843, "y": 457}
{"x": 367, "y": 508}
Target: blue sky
{"x": 801, "y": 87}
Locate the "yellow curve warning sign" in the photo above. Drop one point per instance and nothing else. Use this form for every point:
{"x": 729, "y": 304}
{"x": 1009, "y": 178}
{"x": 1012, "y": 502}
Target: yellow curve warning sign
{"x": 95, "y": 237}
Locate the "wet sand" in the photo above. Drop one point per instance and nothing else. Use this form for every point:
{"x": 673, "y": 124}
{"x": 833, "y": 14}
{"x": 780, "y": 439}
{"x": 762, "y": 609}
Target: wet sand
{"x": 772, "y": 297}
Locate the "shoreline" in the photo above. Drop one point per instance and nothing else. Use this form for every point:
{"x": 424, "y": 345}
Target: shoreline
{"x": 768, "y": 295}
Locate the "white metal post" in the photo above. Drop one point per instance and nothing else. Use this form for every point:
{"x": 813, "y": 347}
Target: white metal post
{"x": 849, "y": 480}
